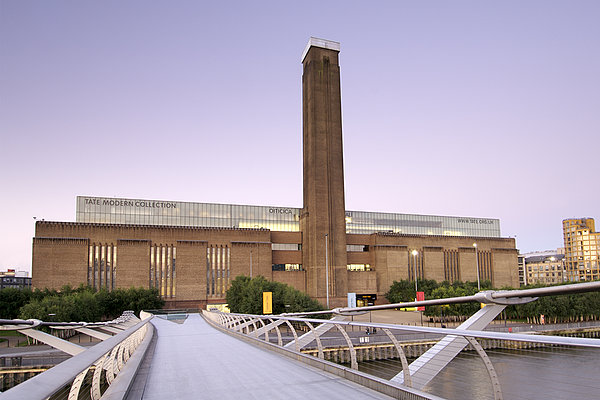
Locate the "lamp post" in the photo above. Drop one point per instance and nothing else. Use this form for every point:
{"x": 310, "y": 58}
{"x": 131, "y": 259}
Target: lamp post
{"x": 415, "y": 253}
{"x": 477, "y": 263}
{"x": 327, "y": 268}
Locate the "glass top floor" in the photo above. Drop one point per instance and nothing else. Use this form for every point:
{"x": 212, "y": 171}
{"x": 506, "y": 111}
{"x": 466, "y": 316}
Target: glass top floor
{"x": 176, "y": 213}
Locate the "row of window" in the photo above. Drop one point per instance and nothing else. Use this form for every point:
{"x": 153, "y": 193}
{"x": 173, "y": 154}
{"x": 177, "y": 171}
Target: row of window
{"x": 359, "y": 267}
{"x": 298, "y": 267}
{"x": 357, "y": 247}
{"x": 287, "y": 267}
{"x": 102, "y": 266}
{"x": 15, "y": 285}
{"x": 16, "y": 280}
{"x": 552, "y": 267}
{"x": 218, "y": 275}
{"x": 535, "y": 275}
{"x": 286, "y": 246}
{"x": 163, "y": 274}
{"x": 154, "y": 212}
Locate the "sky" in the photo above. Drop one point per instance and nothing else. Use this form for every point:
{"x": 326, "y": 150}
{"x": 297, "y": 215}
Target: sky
{"x": 460, "y": 108}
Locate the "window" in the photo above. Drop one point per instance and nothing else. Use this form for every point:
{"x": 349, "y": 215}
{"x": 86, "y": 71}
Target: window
{"x": 286, "y": 246}
{"x": 287, "y": 267}
{"x": 357, "y": 247}
{"x": 359, "y": 267}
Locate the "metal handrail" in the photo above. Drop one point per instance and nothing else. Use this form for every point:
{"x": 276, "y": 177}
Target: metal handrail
{"x": 56, "y": 378}
{"x": 518, "y": 337}
{"x": 490, "y": 296}
{"x": 454, "y": 340}
{"x": 20, "y": 324}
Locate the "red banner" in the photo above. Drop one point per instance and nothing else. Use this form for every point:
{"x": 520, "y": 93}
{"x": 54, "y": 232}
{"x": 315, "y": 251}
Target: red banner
{"x": 420, "y": 297}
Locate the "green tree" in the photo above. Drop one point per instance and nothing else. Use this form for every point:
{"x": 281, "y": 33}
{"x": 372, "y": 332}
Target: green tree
{"x": 245, "y": 296}
{"x": 86, "y": 305}
{"x": 11, "y": 300}
{"x": 401, "y": 291}
{"x": 404, "y": 290}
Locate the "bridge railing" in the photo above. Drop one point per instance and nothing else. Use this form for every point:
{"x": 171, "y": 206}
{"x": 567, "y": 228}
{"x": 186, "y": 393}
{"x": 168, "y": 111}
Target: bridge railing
{"x": 397, "y": 352}
{"x": 105, "y": 370}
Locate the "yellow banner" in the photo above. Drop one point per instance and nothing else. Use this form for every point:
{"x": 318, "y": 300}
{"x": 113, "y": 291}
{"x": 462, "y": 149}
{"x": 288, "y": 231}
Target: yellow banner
{"x": 267, "y": 302}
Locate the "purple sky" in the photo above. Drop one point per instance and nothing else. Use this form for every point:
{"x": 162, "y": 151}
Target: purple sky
{"x": 467, "y": 108}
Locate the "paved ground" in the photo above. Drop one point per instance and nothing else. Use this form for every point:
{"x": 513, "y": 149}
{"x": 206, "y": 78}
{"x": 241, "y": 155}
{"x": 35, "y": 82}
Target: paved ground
{"x": 194, "y": 361}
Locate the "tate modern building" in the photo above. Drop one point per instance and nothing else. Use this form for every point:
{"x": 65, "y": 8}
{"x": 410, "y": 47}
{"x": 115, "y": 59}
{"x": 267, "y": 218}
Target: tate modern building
{"x": 192, "y": 251}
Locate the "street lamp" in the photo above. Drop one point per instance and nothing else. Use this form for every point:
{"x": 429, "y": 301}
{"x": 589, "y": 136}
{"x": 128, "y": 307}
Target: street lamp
{"x": 415, "y": 253}
{"x": 477, "y": 263}
{"x": 327, "y": 267}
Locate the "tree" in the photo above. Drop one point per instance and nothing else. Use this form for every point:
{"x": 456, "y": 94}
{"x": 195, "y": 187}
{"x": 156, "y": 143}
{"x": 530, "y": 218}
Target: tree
{"x": 11, "y": 300}
{"x": 244, "y": 296}
{"x": 84, "y": 304}
{"x": 404, "y": 291}
{"x": 401, "y": 291}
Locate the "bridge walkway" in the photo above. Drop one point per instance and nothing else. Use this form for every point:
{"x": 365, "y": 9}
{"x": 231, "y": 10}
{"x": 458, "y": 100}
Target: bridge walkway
{"x": 194, "y": 360}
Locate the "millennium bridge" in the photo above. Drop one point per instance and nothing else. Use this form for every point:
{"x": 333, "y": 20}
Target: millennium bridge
{"x": 214, "y": 355}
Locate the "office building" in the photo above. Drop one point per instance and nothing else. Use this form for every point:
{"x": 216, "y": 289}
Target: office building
{"x": 14, "y": 279}
{"x": 546, "y": 267}
{"x": 582, "y": 249}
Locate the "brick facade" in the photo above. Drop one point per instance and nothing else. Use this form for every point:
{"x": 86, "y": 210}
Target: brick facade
{"x": 61, "y": 256}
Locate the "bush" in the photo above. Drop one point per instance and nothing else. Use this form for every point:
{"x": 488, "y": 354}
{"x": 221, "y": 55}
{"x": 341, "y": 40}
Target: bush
{"x": 84, "y": 304}
{"x": 562, "y": 308}
{"x": 11, "y": 300}
{"x": 245, "y": 296}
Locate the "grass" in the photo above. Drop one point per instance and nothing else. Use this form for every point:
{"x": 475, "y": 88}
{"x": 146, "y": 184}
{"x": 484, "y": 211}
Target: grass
{"x": 10, "y": 333}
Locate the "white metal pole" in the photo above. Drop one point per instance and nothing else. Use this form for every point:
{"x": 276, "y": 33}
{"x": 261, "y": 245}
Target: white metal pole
{"x": 327, "y": 267}
{"x": 415, "y": 268}
{"x": 414, "y": 253}
{"x": 477, "y": 263}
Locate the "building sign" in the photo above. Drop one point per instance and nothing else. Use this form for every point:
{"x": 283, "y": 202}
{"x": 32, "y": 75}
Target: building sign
{"x": 267, "y": 302}
{"x": 94, "y": 201}
{"x": 280, "y": 211}
{"x": 480, "y": 221}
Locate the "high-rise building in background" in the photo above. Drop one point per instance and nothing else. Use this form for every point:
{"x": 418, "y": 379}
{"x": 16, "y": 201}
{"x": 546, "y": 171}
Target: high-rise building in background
{"x": 191, "y": 252}
{"x": 545, "y": 267}
{"x": 582, "y": 249}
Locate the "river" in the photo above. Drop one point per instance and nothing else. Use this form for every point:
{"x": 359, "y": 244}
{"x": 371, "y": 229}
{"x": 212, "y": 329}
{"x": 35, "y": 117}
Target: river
{"x": 547, "y": 373}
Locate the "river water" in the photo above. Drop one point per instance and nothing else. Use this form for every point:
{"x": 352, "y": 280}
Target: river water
{"x": 547, "y": 373}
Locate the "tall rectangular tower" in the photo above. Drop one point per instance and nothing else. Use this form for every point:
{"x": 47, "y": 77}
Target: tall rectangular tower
{"x": 582, "y": 249}
{"x": 322, "y": 222}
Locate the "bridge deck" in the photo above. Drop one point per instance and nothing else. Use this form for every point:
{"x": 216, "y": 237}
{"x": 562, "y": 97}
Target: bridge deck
{"x": 193, "y": 360}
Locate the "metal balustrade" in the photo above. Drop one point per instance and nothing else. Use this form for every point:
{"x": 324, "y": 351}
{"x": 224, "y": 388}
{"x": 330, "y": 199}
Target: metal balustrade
{"x": 435, "y": 353}
{"x": 107, "y": 369}
{"x": 472, "y": 342}
{"x": 102, "y": 371}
